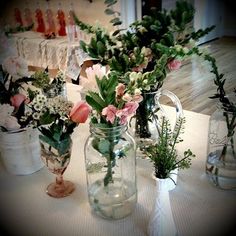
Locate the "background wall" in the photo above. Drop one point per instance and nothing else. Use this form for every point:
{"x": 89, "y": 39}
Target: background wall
{"x": 87, "y": 11}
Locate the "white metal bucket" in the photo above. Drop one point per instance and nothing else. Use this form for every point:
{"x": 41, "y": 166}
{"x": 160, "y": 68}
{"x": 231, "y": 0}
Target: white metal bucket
{"x": 21, "y": 152}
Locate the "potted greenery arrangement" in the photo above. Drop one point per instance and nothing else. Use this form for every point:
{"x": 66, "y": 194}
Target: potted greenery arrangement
{"x": 166, "y": 162}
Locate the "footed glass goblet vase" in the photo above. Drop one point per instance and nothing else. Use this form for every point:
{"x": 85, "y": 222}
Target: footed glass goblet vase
{"x": 56, "y": 157}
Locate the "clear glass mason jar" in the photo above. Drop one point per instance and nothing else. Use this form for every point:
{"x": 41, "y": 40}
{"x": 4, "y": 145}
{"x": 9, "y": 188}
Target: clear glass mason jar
{"x": 111, "y": 171}
{"x": 221, "y": 159}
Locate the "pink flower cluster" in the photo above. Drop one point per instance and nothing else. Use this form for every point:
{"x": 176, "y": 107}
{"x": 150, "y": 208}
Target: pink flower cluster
{"x": 111, "y": 112}
{"x": 122, "y": 94}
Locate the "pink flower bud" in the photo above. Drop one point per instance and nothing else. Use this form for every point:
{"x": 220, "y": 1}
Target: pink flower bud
{"x": 174, "y": 64}
{"x": 80, "y": 112}
{"x": 17, "y": 100}
{"x": 120, "y": 89}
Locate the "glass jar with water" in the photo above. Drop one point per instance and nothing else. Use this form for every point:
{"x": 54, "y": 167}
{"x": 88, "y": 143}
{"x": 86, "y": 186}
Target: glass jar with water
{"x": 221, "y": 159}
{"x": 111, "y": 171}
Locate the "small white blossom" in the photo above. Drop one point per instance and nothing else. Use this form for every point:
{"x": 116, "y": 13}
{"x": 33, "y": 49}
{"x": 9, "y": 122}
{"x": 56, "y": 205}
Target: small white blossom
{"x": 127, "y": 97}
{"x": 178, "y": 47}
{"x": 185, "y": 50}
{"x": 145, "y": 82}
{"x": 36, "y": 115}
{"x": 137, "y": 91}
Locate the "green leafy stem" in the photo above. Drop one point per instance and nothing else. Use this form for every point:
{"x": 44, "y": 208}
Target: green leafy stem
{"x": 229, "y": 110}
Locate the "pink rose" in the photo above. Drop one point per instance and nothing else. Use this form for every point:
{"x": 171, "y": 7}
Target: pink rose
{"x": 174, "y": 64}
{"x": 131, "y": 107}
{"x": 17, "y": 100}
{"x": 80, "y": 112}
{"x": 110, "y": 113}
{"x": 120, "y": 89}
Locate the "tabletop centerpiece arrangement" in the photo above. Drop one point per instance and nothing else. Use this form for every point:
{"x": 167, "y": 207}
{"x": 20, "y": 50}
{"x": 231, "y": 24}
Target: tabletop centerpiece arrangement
{"x": 110, "y": 149}
{"x": 20, "y": 148}
{"x": 36, "y": 124}
{"x": 56, "y": 119}
{"x": 148, "y": 49}
{"x": 138, "y": 60}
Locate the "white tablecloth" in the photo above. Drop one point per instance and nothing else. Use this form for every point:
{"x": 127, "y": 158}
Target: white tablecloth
{"x": 55, "y": 53}
{"x": 198, "y": 207}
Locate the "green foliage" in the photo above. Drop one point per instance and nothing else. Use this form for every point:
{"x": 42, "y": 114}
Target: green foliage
{"x": 106, "y": 95}
{"x": 61, "y": 146}
{"x": 161, "y": 32}
{"x": 20, "y": 28}
{"x": 182, "y": 15}
{"x": 163, "y": 153}
{"x": 57, "y": 132}
{"x": 219, "y": 81}
{"x": 41, "y": 79}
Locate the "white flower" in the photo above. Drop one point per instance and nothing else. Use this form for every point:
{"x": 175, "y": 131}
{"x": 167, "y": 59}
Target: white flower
{"x": 145, "y": 81}
{"x": 16, "y": 66}
{"x": 185, "y": 50}
{"x": 36, "y": 116}
{"x": 178, "y": 47}
{"x": 127, "y": 97}
{"x": 135, "y": 76}
{"x": 89, "y": 83}
{"x": 11, "y": 123}
{"x": 5, "y": 112}
{"x": 137, "y": 91}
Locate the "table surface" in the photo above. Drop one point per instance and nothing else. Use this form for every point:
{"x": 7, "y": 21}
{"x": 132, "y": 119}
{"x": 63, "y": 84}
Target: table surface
{"x": 199, "y": 208}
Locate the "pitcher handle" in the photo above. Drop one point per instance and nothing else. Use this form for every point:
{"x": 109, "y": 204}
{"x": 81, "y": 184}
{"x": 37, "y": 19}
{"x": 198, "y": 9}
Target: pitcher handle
{"x": 173, "y": 98}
